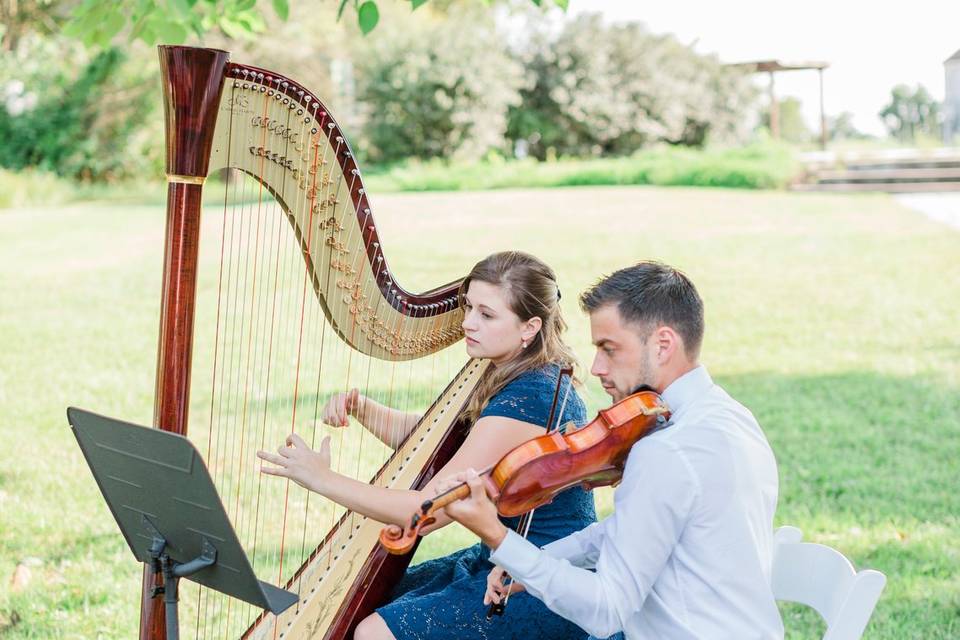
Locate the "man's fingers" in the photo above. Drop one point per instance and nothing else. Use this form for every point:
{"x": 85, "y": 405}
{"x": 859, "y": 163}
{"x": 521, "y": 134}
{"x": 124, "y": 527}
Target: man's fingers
{"x": 476, "y": 486}
{"x": 449, "y": 483}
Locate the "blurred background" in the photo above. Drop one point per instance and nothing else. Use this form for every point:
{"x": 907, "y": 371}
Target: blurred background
{"x": 800, "y": 162}
{"x": 443, "y": 96}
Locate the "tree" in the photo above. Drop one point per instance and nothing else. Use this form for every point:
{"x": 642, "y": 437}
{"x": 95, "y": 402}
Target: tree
{"x": 594, "y": 89}
{"x": 437, "y": 88}
{"x": 76, "y": 113}
{"x": 911, "y": 112}
{"x": 21, "y": 17}
{"x": 841, "y": 127}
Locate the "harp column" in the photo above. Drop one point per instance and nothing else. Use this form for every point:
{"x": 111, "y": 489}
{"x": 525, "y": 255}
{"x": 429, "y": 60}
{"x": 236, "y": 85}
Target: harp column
{"x": 192, "y": 81}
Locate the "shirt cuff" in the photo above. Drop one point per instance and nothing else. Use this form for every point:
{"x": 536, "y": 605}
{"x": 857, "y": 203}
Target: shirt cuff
{"x": 516, "y": 554}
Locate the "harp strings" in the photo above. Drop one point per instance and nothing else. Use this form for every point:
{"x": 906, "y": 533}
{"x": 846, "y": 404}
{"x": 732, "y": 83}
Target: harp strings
{"x": 275, "y": 361}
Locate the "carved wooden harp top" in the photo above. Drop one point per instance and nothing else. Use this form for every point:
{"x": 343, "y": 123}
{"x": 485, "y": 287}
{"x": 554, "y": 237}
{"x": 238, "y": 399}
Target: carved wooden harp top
{"x": 220, "y": 114}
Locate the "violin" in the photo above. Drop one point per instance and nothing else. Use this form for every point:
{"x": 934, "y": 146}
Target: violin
{"x": 533, "y": 473}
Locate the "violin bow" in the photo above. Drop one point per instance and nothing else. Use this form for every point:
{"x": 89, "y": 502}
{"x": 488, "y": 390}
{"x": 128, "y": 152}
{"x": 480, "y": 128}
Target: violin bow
{"x": 497, "y": 608}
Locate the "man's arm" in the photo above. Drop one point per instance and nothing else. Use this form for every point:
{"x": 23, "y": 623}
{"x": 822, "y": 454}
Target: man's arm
{"x": 581, "y": 548}
{"x": 651, "y": 508}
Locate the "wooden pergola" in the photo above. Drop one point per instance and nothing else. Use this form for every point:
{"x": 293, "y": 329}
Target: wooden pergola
{"x": 772, "y": 67}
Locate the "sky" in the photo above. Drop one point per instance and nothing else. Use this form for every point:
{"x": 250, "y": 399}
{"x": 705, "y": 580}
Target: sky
{"x": 870, "y": 46}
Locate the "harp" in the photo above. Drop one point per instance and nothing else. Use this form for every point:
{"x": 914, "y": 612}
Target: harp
{"x": 305, "y": 304}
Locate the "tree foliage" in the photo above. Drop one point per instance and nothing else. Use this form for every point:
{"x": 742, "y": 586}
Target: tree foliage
{"x": 437, "y": 89}
{"x": 911, "y": 112}
{"x": 74, "y": 113}
{"x": 841, "y": 127}
{"x": 595, "y": 89}
{"x": 440, "y": 82}
{"x": 173, "y": 21}
{"x": 19, "y": 18}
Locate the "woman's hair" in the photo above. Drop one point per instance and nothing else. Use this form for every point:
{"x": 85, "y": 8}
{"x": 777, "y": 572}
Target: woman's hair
{"x": 530, "y": 288}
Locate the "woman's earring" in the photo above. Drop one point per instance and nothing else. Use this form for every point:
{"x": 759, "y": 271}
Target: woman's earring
{"x": 523, "y": 344}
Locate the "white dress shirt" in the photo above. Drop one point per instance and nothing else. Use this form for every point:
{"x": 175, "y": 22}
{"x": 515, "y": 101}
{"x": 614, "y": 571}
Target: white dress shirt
{"x": 687, "y": 550}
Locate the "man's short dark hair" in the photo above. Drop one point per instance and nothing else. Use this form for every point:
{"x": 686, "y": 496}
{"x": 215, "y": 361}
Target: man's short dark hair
{"x": 650, "y": 294}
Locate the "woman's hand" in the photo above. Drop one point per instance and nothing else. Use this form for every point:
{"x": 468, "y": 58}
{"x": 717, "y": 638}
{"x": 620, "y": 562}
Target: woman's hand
{"x": 496, "y": 590}
{"x": 340, "y": 406}
{"x": 298, "y": 462}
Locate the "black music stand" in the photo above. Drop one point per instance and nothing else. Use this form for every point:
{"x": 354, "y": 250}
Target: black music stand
{"x": 167, "y": 507}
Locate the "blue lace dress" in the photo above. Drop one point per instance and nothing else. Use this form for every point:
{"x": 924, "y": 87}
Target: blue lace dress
{"x": 443, "y": 598}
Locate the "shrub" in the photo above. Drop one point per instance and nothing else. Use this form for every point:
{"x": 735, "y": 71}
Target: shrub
{"x": 75, "y": 114}
{"x": 759, "y": 166}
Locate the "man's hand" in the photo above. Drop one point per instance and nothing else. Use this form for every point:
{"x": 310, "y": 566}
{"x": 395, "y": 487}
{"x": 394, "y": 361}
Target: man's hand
{"x": 477, "y": 512}
{"x": 496, "y": 589}
{"x": 299, "y": 462}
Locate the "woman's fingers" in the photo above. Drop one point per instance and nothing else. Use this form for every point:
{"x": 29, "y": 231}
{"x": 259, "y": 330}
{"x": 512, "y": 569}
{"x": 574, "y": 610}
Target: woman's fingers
{"x": 335, "y": 411}
{"x": 328, "y": 412}
{"x": 353, "y": 401}
{"x": 275, "y": 471}
{"x": 271, "y": 457}
{"x": 294, "y": 440}
{"x": 338, "y": 410}
{"x": 325, "y": 450}
{"x": 280, "y": 461}
{"x": 343, "y": 410}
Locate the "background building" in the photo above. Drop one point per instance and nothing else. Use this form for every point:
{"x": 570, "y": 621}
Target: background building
{"x": 951, "y": 100}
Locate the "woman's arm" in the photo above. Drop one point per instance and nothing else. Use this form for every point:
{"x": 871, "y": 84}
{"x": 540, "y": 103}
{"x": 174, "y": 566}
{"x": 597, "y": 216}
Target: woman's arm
{"x": 390, "y": 426}
{"x": 488, "y": 441}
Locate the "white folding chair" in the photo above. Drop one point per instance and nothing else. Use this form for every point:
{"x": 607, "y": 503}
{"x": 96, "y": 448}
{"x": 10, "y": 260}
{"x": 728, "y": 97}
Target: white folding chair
{"x": 822, "y": 578}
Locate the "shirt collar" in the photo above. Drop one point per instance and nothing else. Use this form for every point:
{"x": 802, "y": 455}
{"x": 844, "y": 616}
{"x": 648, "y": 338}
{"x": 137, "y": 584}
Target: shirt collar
{"x": 685, "y": 389}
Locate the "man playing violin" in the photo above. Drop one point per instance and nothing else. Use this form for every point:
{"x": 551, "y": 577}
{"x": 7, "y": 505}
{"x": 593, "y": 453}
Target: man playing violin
{"x": 687, "y": 551}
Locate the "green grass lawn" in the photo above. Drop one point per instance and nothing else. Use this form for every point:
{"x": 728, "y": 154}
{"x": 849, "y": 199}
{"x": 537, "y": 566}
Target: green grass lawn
{"x": 833, "y": 317}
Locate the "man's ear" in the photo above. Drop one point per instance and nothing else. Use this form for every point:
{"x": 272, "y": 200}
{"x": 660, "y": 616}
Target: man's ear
{"x": 667, "y": 343}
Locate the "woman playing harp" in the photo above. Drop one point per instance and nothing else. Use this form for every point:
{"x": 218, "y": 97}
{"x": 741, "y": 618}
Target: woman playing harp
{"x": 511, "y": 317}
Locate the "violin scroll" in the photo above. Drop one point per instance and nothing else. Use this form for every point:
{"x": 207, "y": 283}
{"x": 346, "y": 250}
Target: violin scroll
{"x": 397, "y": 540}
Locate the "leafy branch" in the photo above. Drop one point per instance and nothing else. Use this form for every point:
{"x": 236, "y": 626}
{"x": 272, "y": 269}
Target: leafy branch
{"x": 97, "y": 23}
